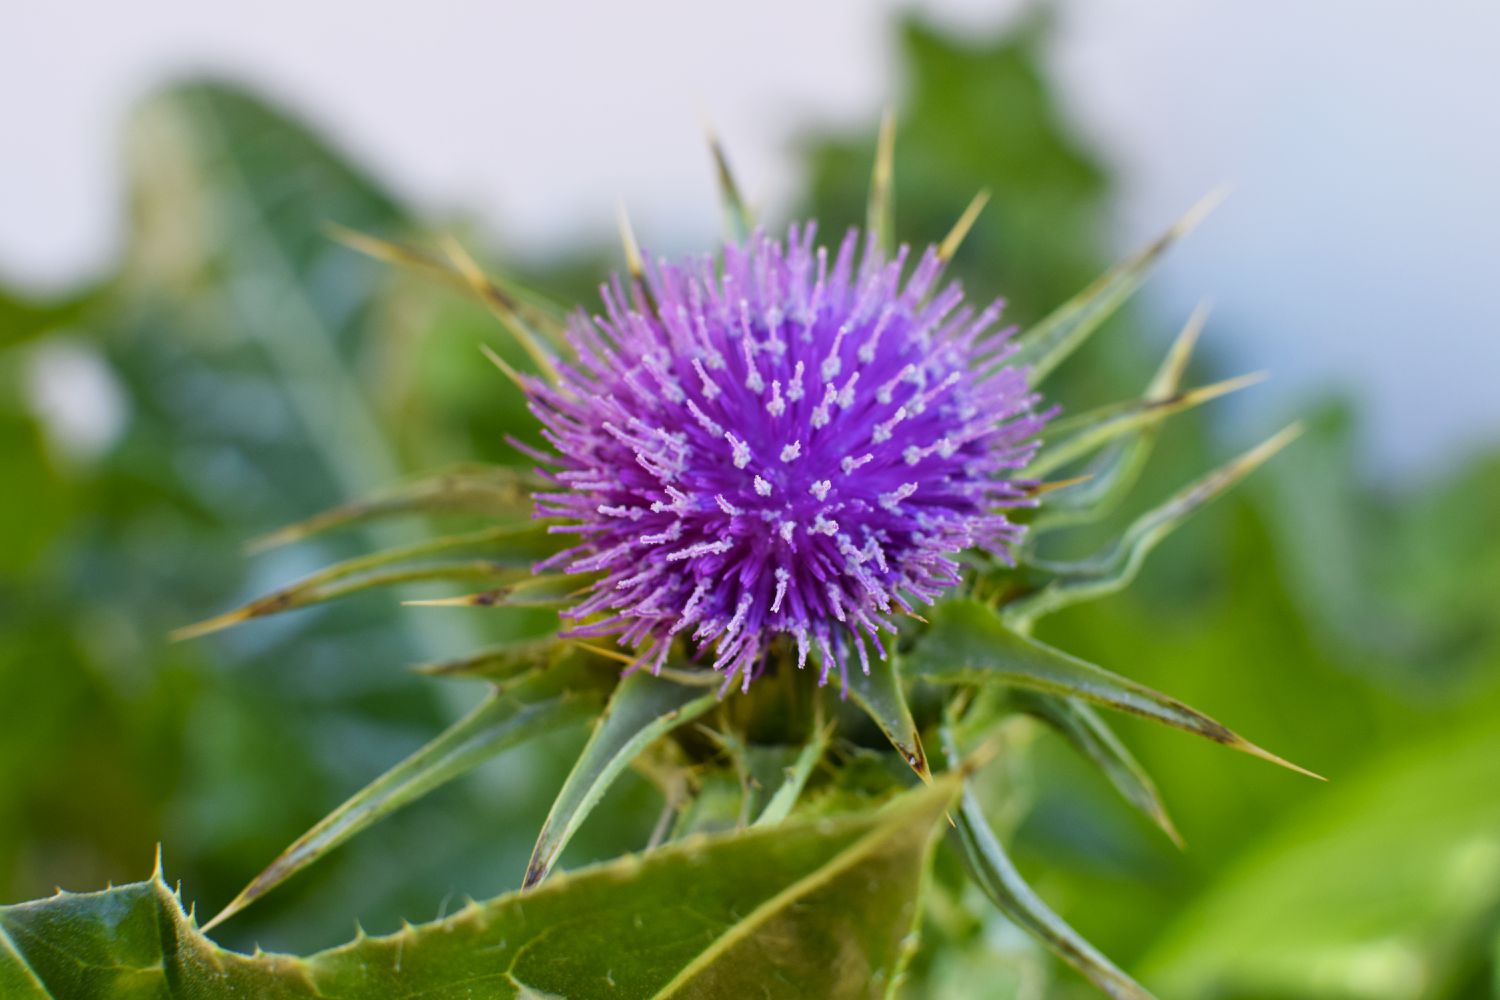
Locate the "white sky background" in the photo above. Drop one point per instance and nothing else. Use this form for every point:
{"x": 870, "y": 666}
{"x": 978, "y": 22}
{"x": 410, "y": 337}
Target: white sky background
{"x": 1361, "y": 248}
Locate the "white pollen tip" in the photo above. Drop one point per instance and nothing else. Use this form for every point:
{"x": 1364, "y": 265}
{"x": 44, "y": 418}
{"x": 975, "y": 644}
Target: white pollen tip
{"x": 820, "y": 489}
{"x": 762, "y": 487}
{"x": 791, "y": 451}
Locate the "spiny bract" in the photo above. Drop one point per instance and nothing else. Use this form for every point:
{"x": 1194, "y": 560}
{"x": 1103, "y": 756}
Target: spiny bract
{"x": 773, "y": 443}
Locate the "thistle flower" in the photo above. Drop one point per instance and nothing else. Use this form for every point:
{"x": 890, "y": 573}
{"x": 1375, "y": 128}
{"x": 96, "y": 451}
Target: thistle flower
{"x": 780, "y": 443}
{"x": 769, "y": 454}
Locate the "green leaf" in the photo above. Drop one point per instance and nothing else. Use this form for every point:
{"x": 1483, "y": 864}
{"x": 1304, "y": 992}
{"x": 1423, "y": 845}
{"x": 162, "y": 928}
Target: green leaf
{"x": 641, "y": 709}
{"x": 995, "y": 874}
{"x": 535, "y": 311}
{"x": 1116, "y": 470}
{"x": 880, "y": 695}
{"x": 1049, "y": 343}
{"x": 822, "y": 908}
{"x": 969, "y": 644}
{"x": 504, "y": 719}
{"x": 1384, "y": 887}
{"x": 1080, "y": 436}
{"x": 1114, "y": 570}
{"x": 1091, "y": 736}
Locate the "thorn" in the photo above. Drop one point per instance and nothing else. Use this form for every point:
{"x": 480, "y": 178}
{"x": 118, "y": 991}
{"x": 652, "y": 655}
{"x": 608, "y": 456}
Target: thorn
{"x": 1200, "y": 211}
{"x": 1169, "y": 828}
{"x": 612, "y": 654}
{"x": 737, "y": 215}
{"x": 236, "y": 905}
{"x": 501, "y": 364}
{"x": 500, "y": 304}
{"x": 961, "y": 228}
{"x": 1255, "y": 751}
{"x": 210, "y": 625}
{"x": 390, "y": 253}
{"x": 1059, "y": 484}
{"x": 483, "y": 599}
{"x": 1174, "y": 365}
{"x": 156, "y": 864}
{"x": 880, "y": 212}
{"x": 633, "y": 262}
{"x": 1204, "y": 393}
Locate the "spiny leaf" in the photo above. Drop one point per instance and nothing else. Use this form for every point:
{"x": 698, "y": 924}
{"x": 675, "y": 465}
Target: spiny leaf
{"x": 796, "y": 778}
{"x": 538, "y": 311}
{"x": 518, "y": 548}
{"x": 275, "y": 604}
{"x": 1081, "y": 726}
{"x": 503, "y": 307}
{"x": 532, "y": 592}
{"x": 881, "y": 696}
{"x": 1113, "y": 571}
{"x": 496, "y": 490}
{"x": 969, "y": 644}
{"x": 635, "y": 265}
{"x": 955, "y": 238}
{"x": 1079, "y": 436}
{"x": 641, "y": 709}
{"x": 502, "y": 720}
{"x": 1047, "y": 344}
{"x": 995, "y": 874}
{"x": 1107, "y": 479}
{"x": 500, "y": 664}
{"x": 739, "y": 221}
{"x": 818, "y": 908}
{"x": 880, "y": 213}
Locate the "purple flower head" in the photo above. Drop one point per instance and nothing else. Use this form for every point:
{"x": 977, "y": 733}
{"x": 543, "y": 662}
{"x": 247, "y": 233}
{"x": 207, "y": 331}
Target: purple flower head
{"x": 780, "y": 443}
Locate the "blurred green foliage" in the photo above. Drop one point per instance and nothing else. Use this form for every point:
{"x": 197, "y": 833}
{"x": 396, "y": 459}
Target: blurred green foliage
{"x": 263, "y": 372}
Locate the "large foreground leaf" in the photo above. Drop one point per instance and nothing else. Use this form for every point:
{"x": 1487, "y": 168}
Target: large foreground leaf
{"x": 815, "y": 909}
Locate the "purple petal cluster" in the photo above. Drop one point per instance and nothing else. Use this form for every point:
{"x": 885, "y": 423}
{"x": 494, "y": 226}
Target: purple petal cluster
{"x": 780, "y": 442}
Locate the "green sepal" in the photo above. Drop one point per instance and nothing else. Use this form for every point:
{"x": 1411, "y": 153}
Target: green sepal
{"x": 739, "y": 220}
{"x": 501, "y": 664}
{"x": 880, "y": 694}
{"x": 509, "y": 553}
{"x": 995, "y": 874}
{"x": 1092, "y": 737}
{"x": 641, "y": 709}
{"x": 795, "y": 777}
{"x": 495, "y": 490}
{"x": 1115, "y": 569}
{"x": 1111, "y": 475}
{"x": 1050, "y": 342}
{"x": 504, "y": 719}
{"x": 1080, "y": 436}
{"x": 969, "y": 644}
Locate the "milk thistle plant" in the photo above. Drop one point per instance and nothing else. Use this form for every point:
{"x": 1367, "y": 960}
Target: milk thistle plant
{"x": 787, "y": 509}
